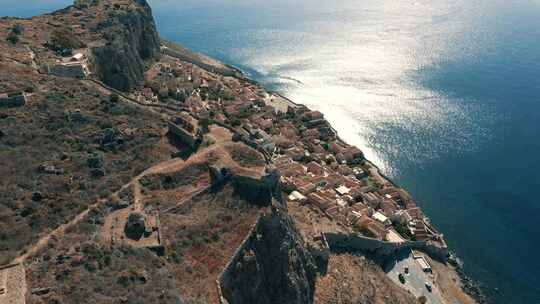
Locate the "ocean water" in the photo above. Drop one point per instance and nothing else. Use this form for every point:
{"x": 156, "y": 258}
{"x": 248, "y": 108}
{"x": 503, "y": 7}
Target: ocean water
{"x": 443, "y": 95}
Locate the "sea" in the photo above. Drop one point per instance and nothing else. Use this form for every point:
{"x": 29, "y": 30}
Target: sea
{"x": 442, "y": 95}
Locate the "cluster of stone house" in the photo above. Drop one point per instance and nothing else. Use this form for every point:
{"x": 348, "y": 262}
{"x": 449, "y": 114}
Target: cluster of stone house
{"x": 322, "y": 171}
{"x": 173, "y": 81}
{"x": 257, "y": 138}
{"x": 315, "y": 166}
{"x": 347, "y": 199}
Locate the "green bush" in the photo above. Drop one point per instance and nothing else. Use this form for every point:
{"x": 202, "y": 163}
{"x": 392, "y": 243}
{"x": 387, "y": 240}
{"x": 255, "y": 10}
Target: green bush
{"x": 12, "y": 38}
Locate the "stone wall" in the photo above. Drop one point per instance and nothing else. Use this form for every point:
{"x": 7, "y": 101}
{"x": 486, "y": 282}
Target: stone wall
{"x": 13, "y": 284}
{"x": 68, "y": 70}
{"x": 383, "y": 248}
{"x": 224, "y": 279}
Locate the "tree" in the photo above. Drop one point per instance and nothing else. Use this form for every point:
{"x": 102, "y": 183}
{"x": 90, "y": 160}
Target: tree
{"x": 12, "y": 38}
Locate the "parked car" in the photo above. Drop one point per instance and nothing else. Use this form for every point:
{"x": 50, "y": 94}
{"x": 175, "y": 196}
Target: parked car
{"x": 429, "y": 287}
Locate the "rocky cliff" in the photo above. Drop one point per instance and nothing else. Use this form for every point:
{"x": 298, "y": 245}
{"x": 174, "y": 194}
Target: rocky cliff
{"x": 275, "y": 266}
{"x": 132, "y": 42}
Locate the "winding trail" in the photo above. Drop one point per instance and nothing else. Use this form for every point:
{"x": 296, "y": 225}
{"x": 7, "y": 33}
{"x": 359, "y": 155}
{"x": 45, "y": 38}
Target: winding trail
{"x": 58, "y": 233}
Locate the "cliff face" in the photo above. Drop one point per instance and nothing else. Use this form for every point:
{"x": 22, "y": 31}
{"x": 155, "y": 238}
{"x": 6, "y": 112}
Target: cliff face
{"x": 274, "y": 267}
{"x": 132, "y": 42}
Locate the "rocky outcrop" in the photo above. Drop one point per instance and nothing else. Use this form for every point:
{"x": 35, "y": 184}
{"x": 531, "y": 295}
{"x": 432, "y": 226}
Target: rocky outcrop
{"x": 273, "y": 266}
{"x": 132, "y": 42}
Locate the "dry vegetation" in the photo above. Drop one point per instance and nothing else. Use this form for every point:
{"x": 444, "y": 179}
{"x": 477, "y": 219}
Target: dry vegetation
{"x": 245, "y": 156}
{"x": 201, "y": 237}
{"x": 352, "y": 279}
{"x": 95, "y": 145}
{"x": 78, "y": 269}
{"x": 174, "y": 180}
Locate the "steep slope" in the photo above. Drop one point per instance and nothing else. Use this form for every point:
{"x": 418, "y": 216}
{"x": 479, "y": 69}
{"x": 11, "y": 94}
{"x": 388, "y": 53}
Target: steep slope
{"x": 274, "y": 267}
{"x": 132, "y": 41}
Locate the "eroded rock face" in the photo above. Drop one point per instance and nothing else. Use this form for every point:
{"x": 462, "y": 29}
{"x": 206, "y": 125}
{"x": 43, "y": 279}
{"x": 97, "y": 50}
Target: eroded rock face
{"x": 276, "y": 267}
{"x": 132, "y": 43}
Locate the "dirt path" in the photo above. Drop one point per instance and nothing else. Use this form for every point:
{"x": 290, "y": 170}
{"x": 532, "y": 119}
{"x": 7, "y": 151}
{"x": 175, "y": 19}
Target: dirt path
{"x": 56, "y": 233}
{"x": 137, "y": 196}
{"x": 166, "y": 166}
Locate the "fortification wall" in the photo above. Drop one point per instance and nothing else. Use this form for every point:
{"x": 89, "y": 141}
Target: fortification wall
{"x": 383, "y": 248}
{"x": 215, "y": 69}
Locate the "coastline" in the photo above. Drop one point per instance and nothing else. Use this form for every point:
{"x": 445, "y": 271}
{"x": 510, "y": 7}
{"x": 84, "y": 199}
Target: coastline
{"x": 214, "y": 66}
{"x": 469, "y": 286}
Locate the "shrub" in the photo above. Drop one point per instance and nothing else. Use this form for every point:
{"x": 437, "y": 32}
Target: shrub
{"x": 63, "y": 39}
{"x": 113, "y": 98}
{"x": 12, "y": 38}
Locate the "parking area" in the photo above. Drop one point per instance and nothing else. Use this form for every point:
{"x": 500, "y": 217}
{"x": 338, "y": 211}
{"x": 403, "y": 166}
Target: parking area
{"x": 415, "y": 279}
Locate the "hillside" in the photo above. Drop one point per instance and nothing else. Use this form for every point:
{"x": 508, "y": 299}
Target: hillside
{"x": 133, "y": 174}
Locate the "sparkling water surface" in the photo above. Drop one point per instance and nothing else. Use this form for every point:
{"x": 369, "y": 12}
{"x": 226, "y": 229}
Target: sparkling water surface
{"x": 444, "y": 96}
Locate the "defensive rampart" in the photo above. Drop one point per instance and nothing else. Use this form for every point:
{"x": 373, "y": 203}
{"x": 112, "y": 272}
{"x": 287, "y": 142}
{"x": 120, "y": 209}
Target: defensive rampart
{"x": 358, "y": 242}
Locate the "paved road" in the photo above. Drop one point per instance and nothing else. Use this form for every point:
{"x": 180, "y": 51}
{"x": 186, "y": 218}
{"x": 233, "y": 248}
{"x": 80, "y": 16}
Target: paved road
{"x": 415, "y": 280}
